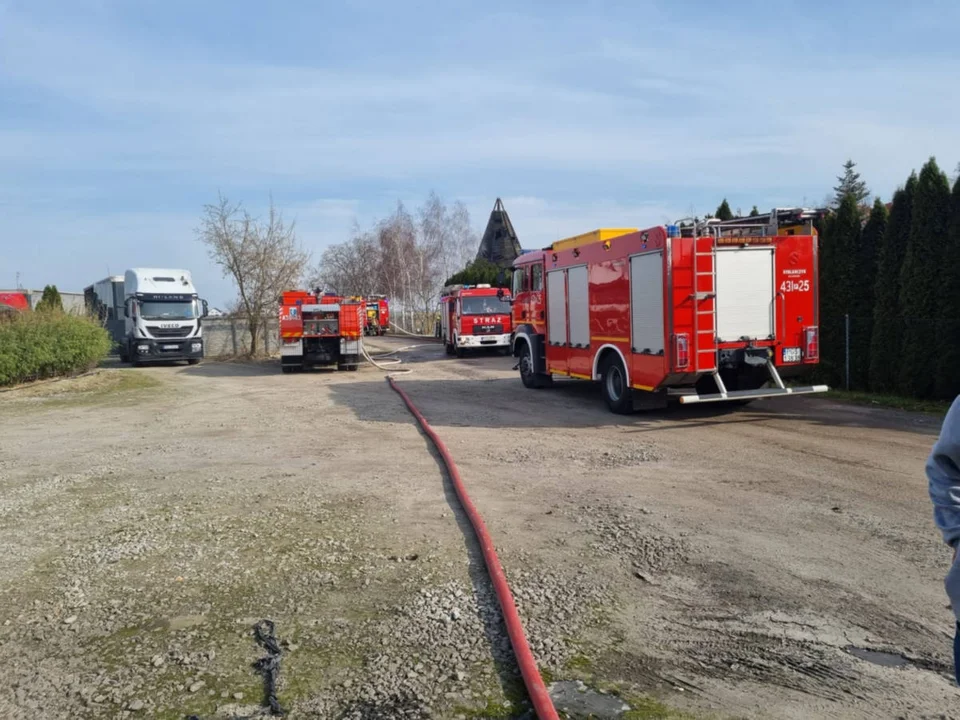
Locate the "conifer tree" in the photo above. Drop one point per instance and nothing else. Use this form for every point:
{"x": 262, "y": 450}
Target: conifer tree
{"x": 723, "y": 211}
{"x": 839, "y": 242}
{"x": 886, "y": 339}
{"x": 920, "y": 281}
{"x": 948, "y": 335}
{"x": 850, "y": 183}
{"x": 863, "y": 288}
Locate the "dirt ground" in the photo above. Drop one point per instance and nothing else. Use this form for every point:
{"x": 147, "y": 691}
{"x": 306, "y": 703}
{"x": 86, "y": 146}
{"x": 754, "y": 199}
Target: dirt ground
{"x": 706, "y": 562}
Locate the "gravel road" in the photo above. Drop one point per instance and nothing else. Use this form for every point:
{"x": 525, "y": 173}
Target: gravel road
{"x": 775, "y": 561}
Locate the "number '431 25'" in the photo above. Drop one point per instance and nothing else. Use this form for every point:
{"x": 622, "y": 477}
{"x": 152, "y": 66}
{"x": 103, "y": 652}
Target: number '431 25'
{"x": 794, "y": 286}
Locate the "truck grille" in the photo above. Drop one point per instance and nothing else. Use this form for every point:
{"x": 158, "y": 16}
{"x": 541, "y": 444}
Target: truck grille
{"x": 488, "y": 329}
{"x": 159, "y": 332}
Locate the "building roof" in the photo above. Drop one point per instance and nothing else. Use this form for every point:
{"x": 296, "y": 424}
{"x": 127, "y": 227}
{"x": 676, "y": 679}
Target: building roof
{"x": 499, "y": 245}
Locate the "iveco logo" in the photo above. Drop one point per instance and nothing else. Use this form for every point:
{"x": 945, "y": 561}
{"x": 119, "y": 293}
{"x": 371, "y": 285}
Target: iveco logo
{"x": 169, "y": 326}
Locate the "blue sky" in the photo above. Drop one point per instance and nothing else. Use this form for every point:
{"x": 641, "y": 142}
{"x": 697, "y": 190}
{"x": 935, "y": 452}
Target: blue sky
{"x": 119, "y": 119}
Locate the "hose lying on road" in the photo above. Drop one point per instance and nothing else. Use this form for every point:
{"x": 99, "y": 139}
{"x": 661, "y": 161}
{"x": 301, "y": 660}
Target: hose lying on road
{"x": 537, "y": 691}
{"x": 384, "y": 362}
{"x": 407, "y": 332}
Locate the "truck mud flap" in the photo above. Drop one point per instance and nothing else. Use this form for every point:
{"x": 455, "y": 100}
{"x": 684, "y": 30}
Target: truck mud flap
{"x": 752, "y": 394}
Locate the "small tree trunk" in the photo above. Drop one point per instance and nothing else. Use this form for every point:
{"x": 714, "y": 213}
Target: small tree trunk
{"x": 254, "y": 325}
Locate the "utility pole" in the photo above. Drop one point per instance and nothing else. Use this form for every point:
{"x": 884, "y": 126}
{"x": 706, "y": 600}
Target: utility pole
{"x": 18, "y": 280}
{"x": 846, "y": 343}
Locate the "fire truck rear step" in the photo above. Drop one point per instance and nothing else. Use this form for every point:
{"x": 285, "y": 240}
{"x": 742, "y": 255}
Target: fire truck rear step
{"x": 780, "y": 390}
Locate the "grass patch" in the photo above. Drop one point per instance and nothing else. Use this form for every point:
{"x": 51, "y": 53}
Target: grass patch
{"x": 493, "y": 710}
{"x": 579, "y": 663}
{"x": 934, "y": 407}
{"x": 649, "y": 709}
{"x": 94, "y": 388}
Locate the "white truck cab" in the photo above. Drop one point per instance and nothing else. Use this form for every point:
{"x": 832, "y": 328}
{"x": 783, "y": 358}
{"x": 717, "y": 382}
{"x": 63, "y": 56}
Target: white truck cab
{"x": 163, "y": 317}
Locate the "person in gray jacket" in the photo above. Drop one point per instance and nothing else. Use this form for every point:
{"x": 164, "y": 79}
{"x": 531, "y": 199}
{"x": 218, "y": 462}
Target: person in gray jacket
{"x": 943, "y": 472}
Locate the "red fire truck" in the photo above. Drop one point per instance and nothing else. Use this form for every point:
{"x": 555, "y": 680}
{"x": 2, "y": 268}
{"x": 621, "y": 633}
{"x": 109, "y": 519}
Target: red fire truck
{"x": 714, "y": 311}
{"x": 474, "y": 316}
{"x": 318, "y": 330}
{"x": 377, "y": 315}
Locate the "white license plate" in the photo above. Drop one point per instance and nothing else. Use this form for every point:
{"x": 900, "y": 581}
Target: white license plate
{"x": 171, "y": 347}
{"x": 791, "y": 355}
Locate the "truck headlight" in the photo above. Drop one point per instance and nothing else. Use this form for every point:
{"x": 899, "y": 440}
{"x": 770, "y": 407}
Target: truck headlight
{"x": 791, "y": 355}
{"x": 196, "y": 347}
{"x": 143, "y": 348}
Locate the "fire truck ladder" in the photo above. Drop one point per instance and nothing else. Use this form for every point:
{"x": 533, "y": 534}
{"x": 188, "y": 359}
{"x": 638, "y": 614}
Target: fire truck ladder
{"x": 699, "y": 296}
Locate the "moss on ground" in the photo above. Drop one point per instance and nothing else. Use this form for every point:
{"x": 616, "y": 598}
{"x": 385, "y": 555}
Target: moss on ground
{"x": 895, "y": 402}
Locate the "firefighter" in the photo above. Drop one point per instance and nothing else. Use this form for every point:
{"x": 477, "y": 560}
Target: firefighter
{"x": 943, "y": 472}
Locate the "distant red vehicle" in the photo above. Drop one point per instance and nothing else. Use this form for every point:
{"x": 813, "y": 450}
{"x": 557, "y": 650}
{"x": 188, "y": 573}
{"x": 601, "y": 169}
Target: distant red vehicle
{"x": 474, "y": 316}
{"x": 320, "y": 330}
{"x": 376, "y": 315}
{"x": 15, "y": 300}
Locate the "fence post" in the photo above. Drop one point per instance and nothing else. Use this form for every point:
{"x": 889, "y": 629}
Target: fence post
{"x": 846, "y": 323}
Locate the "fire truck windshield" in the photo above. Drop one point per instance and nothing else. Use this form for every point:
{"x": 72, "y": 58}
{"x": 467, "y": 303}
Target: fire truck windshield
{"x": 484, "y": 305}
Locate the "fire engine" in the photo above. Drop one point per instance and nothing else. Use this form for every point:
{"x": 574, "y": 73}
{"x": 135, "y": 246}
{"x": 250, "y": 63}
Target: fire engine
{"x": 377, "y": 315}
{"x": 474, "y": 316}
{"x": 320, "y": 329}
{"x": 708, "y": 312}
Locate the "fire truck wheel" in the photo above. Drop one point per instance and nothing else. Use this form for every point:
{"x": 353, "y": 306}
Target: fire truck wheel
{"x": 193, "y": 361}
{"x": 528, "y": 376}
{"x": 449, "y": 348}
{"x": 459, "y": 351}
{"x": 353, "y": 368}
{"x": 616, "y": 391}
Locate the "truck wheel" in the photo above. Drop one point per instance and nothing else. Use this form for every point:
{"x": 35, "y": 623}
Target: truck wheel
{"x": 459, "y": 351}
{"x": 616, "y": 391}
{"x": 193, "y": 361}
{"x": 449, "y": 348}
{"x": 528, "y": 376}
{"x": 287, "y": 369}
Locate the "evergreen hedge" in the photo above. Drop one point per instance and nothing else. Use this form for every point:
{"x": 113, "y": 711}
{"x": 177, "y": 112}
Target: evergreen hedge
{"x": 38, "y": 345}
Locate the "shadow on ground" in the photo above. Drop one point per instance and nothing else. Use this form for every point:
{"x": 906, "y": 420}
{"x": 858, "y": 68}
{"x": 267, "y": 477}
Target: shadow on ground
{"x": 505, "y": 403}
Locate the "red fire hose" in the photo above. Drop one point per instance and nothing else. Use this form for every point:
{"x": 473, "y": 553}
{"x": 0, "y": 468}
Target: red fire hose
{"x": 539, "y": 696}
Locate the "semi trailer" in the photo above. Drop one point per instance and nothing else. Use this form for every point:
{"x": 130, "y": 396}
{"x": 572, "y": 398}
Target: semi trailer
{"x": 152, "y": 314}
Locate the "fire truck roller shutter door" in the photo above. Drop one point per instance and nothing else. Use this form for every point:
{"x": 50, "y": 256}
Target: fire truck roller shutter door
{"x": 646, "y": 303}
{"x": 579, "y": 304}
{"x": 745, "y": 294}
{"x": 556, "y": 308}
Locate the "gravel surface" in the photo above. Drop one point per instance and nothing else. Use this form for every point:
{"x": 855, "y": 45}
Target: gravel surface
{"x": 729, "y": 563}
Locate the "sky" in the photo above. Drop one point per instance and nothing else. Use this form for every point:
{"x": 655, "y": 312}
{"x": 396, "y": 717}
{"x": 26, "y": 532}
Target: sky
{"x": 121, "y": 119}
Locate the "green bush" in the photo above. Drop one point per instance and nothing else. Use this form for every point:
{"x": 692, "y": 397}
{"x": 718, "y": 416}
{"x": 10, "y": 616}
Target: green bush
{"x": 35, "y": 345}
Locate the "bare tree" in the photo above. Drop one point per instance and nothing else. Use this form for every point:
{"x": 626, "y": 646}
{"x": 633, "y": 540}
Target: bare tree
{"x": 406, "y": 256}
{"x": 263, "y": 258}
{"x": 351, "y": 267}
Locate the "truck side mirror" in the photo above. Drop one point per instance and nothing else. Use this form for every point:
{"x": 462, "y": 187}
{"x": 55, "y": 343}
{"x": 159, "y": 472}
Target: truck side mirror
{"x": 500, "y": 293}
{"x": 206, "y": 308}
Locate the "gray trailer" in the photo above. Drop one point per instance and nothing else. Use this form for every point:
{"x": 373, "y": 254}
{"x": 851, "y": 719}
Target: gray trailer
{"x": 105, "y": 301}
